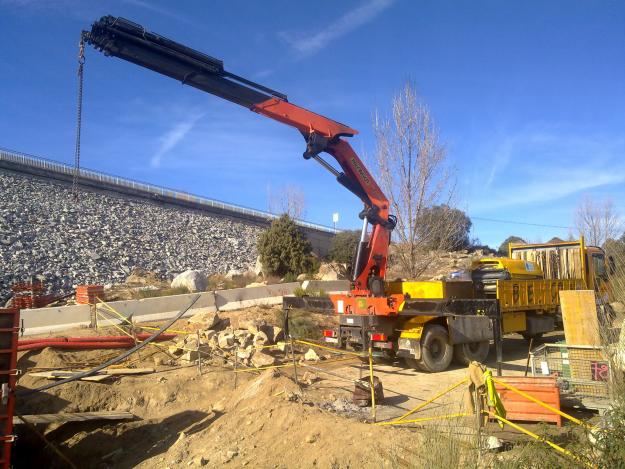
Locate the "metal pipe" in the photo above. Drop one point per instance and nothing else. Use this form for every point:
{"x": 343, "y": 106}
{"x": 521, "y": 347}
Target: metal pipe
{"x": 361, "y": 244}
{"x": 98, "y": 338}
{"x": 75, "y": 345}
{"x": 326, "y": 165}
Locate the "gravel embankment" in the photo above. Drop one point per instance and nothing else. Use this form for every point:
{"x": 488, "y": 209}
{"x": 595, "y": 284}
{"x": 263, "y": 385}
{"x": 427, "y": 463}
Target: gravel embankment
{"x": 101, "y": 237}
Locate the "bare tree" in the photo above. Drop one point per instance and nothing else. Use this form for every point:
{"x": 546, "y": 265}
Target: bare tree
{"x": 410, "y": 161}
{"x": 288, "y": 199}
{"x": 597, "y": 221}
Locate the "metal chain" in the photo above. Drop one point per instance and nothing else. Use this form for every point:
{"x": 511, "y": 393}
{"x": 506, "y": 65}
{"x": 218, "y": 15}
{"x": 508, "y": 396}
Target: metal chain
{"x": 81, "y": 63}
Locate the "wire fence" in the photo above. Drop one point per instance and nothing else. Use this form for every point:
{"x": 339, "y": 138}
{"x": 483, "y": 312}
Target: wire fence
{"x": 581, "y": 370}
{"x": 52, "y": 166}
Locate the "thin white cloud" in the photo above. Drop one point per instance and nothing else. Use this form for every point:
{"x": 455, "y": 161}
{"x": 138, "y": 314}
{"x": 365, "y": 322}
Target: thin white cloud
{"x": 555, "y": 185}
{"x": 308, "y": 44}
{"x": 172, "y": 137}
{"x": 541, "y": 165}
{"x": 501, "y": 158}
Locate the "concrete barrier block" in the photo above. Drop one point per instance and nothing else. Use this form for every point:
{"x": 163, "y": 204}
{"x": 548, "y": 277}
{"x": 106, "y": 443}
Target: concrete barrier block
{"x": 162, "y": 307}
{"x": 43, "y": 320}
{"x": 328, "y": 286}
{"x": 241, "y": 295}
{"x": 39, "y": 321}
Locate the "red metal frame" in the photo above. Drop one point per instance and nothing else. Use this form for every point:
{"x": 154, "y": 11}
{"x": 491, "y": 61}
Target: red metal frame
{"x": 379, "y": 239}
{"x": 8, "y": 374}
{"x": 308, "y": 123}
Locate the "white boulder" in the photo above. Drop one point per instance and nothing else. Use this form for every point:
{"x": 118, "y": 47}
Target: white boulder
{"x": 193, "y": 280}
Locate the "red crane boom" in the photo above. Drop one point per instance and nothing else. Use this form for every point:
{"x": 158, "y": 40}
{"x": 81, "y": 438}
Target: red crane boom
{"x": 129, "y": 41}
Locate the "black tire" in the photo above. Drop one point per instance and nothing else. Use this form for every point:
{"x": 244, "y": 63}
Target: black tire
{"x": 528, "y": 337}
{"x": 475, "y": 351}
{"x": 413, "y": 363}
{"x": 436, "y": 351}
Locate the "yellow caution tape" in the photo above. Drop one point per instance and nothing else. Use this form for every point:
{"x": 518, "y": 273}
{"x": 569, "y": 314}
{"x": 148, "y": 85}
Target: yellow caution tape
{"x": 424, "y": 419}
{"x": 440, "y": 394}
{"x": 560, "y": 449}
{"x": 344, "y": 352}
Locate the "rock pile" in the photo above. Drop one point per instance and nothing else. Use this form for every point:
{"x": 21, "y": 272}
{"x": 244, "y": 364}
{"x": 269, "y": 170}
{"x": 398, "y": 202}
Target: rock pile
{"x": 100, "y": 237}
{"x": 218, "y": 340}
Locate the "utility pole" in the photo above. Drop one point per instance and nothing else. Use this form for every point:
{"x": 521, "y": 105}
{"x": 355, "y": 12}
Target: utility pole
{"x": 335, "y": 220}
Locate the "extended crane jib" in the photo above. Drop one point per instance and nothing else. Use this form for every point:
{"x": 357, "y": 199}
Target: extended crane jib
{"x": 119, "y": 37}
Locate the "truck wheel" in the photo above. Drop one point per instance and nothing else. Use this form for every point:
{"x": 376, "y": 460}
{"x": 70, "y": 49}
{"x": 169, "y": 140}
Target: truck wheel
{"x": 436, "y": 351}
{"x": 475, "y": 351}
{"x": 413, "y": 363}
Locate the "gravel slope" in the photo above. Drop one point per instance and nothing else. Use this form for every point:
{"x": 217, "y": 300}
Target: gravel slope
{"x": 100, "y": 237}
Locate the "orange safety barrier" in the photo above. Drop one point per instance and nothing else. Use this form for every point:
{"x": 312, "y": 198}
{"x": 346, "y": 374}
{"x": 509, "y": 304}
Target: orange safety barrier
{"x": 518, "y": 407}
{"x": 87, "y": 294}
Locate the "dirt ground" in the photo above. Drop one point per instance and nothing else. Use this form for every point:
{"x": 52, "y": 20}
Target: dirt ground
{"x": 249, "y": 418}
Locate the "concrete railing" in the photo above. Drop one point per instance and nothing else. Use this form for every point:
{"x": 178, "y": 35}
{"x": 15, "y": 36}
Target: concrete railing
{"x": 51, "y": 166}
{"x": 49, "y": 320}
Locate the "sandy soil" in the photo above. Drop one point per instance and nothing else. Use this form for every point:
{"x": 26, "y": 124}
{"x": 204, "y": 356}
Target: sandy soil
{"x": 259, "y": 419}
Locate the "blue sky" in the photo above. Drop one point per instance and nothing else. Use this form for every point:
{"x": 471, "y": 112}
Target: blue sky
{"x": 529, "y": 97}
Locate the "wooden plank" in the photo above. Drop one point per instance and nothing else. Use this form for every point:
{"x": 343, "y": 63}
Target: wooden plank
{"x": 73, "y": 417}
{"x": 101, "y": 376}
{"x": 579, "y": 314}
{"x": 67, "y": 374}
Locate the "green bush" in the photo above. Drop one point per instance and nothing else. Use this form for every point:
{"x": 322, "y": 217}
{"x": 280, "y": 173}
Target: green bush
{"x": 290, "y": 277}
{"x": 300, "y": 292}
{"x": 301, "y": 325}
{"x": 284, "y": 249}
{"x": 343, "y": 248}
{"x": 139, "y": 294}
{"x": 611, "y": 441}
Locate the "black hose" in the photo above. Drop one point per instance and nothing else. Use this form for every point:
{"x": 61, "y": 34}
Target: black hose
{"x": 115, "y": 360}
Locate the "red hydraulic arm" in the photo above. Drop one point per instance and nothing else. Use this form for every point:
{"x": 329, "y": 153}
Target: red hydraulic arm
{"x": 129, "y": 41}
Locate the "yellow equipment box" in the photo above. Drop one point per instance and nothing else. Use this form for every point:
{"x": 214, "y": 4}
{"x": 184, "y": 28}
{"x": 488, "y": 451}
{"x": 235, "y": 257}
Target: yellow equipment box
{"x": 432, "y": 289}
{"x": 514, "y": 321}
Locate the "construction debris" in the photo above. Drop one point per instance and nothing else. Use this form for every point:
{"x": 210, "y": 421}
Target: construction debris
{"x": 311, "y": 355}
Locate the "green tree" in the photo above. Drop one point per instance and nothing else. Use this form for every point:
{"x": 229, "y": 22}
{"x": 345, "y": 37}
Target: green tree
{"x": 343, "y": 248}
{"x": 616, "y": 249}
{"x": 284, "y": 249}
{"x": 444, "y": 228}
{"x": 503, "y": 247}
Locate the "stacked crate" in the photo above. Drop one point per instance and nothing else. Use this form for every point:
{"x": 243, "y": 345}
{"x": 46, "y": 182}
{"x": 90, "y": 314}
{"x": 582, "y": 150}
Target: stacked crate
{"x": 88, "y": 294}
{"x": 28, "y": 295}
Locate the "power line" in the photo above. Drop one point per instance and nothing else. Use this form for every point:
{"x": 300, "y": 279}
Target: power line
{"x": 512, "y": 222}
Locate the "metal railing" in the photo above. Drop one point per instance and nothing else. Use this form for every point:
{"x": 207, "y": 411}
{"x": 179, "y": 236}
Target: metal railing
{"x": 45, "y": 164}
